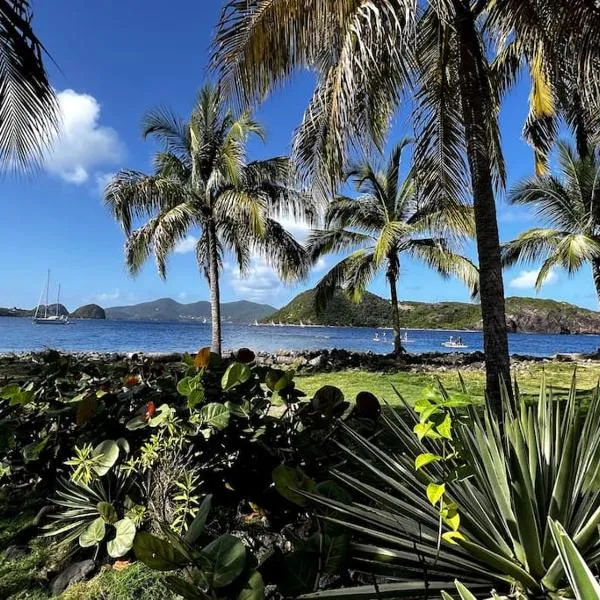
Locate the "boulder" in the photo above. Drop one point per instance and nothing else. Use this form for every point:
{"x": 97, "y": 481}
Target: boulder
{"x": 72, "y": 574}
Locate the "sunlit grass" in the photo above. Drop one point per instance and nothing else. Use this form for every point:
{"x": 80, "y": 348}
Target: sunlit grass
{"x": 410, "y": 385}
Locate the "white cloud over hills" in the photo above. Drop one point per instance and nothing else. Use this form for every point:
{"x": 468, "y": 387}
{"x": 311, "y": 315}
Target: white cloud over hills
{"x": 83, "y": 144}
{"x": 526, "y": 279}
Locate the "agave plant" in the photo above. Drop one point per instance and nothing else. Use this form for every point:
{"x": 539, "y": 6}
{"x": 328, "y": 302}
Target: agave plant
{"x": 542, "y": 469}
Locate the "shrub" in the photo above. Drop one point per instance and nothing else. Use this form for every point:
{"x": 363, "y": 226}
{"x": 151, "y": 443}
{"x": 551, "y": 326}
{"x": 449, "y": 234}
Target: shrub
{"x": 480, "y": 502}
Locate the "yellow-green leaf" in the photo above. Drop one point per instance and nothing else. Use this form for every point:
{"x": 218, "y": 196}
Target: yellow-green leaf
{"x": 435, "y": 491}
{"x": 424, "y": 459}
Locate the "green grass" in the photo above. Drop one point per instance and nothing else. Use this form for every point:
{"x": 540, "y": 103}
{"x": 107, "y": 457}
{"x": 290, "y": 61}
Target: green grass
{"x": 411, "y": 385}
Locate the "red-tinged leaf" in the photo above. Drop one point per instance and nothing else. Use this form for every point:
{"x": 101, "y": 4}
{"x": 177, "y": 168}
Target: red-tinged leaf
{"x": 149, "y": 410}
{"x": 132, "y": 380}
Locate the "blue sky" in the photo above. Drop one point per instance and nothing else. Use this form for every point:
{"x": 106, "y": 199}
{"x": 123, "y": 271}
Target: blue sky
{"x": 115, "y": 63}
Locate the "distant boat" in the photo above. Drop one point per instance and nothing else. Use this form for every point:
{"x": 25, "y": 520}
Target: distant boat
{"x": 204, "y": 320}
{"x": 302, "y": 324}
{"x": 376, "y": 338}
{"x": 454, "y": 343}
{"x": 255, "y": 323}
{"x": 47, "y": 319}
{"x": 405, "y": 339}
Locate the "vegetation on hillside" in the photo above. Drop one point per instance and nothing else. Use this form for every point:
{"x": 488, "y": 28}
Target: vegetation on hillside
{"x": 523, "y": 314}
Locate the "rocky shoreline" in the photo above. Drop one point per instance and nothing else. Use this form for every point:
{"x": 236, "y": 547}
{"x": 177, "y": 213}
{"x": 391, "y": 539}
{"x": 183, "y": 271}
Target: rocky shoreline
{"x": 303, "y": 362}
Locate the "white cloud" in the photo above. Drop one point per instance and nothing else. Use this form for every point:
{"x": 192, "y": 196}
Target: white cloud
{"x": 526, "y": 279}
{"x": 82, "y": 143}
{"x": 107, "y": 296}
{"x": 182, "y": 295}
{"x": 187, "y": 244}
{"x": 299, "y": 229}
{"x": 260, "y": 283}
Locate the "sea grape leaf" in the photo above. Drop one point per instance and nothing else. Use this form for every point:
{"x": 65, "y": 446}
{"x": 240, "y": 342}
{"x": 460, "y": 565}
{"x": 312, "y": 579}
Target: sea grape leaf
{"x": 107, "y": 453}
{"x": 254, "y": 588}
{"x": 236, "y": 373}
{"x": 196, "y": 529}
{"x": 32, "y": 451}
{"x": 156, "y": 553}
{"x": 122, "y": 543}
{"x": 215, "y": 415}
{"x": 287, "y": 480}
{"x": 93, "y": 534}
{"x": 228, "y": 556}
{"x": 107, "y": 512}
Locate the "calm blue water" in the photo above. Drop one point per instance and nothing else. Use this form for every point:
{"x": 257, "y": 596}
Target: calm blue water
{"x": 20, "y": 334}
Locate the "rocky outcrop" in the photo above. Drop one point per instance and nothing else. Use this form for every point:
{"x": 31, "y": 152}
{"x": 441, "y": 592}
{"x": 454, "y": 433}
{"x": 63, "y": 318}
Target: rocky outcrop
{"x": 89, "y": 311}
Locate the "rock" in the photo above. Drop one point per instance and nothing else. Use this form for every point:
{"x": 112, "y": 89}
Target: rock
{"x": 14, "y": 552}
{"x": 89, "y": 311}
{"x": 72, "y": 574}
{"x": 317, "y": 361}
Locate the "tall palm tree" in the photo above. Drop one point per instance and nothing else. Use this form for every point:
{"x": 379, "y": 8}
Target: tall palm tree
{"x": 385, "y": 222}
{"x": 28, "y": 107}
{"x": 570, "y": 204}
{"x": 363, "y": 54}
{"x": 202, "y": 180}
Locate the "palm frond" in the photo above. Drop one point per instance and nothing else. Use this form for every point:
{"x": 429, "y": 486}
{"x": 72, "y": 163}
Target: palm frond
{"x": 360, "y": 272}
{"x": 328, "y": 241}
{"x": 364, "y": 213}
{"x": 169, "y": 130}
{"x": 531, "y": 246}
{"x": 28, "y": 106}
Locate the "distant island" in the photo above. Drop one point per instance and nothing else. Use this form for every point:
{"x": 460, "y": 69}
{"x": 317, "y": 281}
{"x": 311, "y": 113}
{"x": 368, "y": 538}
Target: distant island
{"x": 522, "y": 314}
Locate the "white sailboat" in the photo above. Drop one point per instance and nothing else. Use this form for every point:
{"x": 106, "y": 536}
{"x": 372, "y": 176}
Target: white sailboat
{"x": 47, "y": 319}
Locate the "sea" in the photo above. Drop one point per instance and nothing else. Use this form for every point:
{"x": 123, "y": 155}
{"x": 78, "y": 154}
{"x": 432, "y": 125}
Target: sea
{"x": 21, "y": 335}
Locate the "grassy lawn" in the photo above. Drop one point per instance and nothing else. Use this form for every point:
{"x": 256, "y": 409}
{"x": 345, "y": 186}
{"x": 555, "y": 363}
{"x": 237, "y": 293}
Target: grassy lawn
{"x": 410, "y": 385}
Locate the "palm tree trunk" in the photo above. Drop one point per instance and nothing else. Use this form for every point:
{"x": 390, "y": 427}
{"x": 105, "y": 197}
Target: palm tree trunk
{"x": 596, "y": 274}
{"x": 215, "y": 295}
{"x": 392, "y": 276}
{"x": 474, "y": 94}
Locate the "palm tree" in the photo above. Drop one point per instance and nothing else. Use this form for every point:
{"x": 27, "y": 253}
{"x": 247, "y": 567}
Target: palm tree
{"x": 364, "y": 54}
{"x": 28, "y": 107}
{"x": 203, "y": 180}
{"x": 570, "y": 203}
{"x": 383, "y": 223}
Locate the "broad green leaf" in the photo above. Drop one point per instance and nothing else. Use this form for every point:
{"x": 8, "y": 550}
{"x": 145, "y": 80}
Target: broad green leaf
{"x": 196, "y": 529}
{"x": 195, "y": 397}
{"x": 426, "y": 430}
{"x": 107, "y": 512}
{"x": 162, "y": 416}
{"x": 156, "y": 553}
{"x": 435, "y": 492}
{"x": 185, "y": 386}
{"x": 426, "y": 458}
{"x": 9, "y": 391}
{"x": 228, "y": 556}
{"x": 106, "y": 453}
{"x": 122, "y": 543}
{"x": 32, "y": 451}
{"x": 300, "y": 575}
{"x": 136, "y": 423}
{"x": 236, "y": 373}
{"x": 93, "y": 534}
{"x": 452, "y": 536}
{"x": 254, "y": 588}
{"x": 215, "y": 415}
{"x": 335, "y": 552}
{"x": 288, "y": 479}
{"x": 445, "y": 428}
{"x": 185, "y": 589}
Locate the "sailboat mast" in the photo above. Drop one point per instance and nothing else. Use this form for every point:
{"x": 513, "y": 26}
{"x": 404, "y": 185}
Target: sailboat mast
{"x": 47, "y": 291}
{"x": 57, "y": 299}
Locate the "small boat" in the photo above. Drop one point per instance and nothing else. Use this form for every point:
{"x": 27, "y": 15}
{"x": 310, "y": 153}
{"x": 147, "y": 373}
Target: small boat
{"x": 302, "y": 324}
{"x": 405, "y": 339}
{"x": 47, "y": 319}
{"x": 376, "y": 338}
{"x": 255, "y": 323}
{"x": 453, "y": 342}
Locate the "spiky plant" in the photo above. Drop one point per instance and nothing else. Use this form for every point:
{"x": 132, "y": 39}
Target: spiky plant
{"x": 202, "y": 179}
{"x": 569, "y": 203}
{"x": 541, "y": 467}
{"x": 381, "y": 225}
{"x": 28, "y": 107}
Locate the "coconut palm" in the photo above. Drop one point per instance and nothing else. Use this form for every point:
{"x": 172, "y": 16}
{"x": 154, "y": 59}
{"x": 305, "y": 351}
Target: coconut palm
{"x": 570, "y": 203}
{"x": 28, "y": 107}
{"x": 202, "y": 180}
{"x": 382, "y": 224}
{"x": 364, "y": 54}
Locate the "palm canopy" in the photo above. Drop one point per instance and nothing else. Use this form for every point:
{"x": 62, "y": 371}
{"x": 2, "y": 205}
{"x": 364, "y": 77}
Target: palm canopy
{"x": 385, "y": 221}
{"x": 570, "y": 204}
{"x": 28, "y": 107}
{"x": 201, "y": 179}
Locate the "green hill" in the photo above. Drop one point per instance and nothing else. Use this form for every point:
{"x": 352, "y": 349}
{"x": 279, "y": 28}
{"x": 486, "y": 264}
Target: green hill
{"x": 522, "y": 314}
